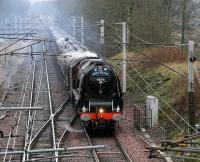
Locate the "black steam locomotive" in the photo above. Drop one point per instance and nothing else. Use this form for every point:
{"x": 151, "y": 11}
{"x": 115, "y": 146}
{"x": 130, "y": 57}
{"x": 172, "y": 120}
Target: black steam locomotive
{"x": 92, "y": 81}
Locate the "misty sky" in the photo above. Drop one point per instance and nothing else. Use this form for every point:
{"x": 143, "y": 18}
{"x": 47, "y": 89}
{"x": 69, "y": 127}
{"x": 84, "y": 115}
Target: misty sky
{"x": 35, "y": 1}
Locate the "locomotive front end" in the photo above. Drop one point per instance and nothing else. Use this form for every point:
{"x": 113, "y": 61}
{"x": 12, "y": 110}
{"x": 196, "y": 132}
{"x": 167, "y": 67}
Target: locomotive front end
{"x": 102, "y": 103}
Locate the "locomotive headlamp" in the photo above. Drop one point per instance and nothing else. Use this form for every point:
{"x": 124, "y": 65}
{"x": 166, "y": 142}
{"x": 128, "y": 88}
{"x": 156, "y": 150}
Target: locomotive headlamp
{"x": 101, "y": 110}
{"x": 118, "y": 109}
{"x": 84, "y": 109}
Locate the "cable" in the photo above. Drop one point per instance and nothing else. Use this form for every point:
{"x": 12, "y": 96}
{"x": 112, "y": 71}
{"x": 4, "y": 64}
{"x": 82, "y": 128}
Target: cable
{"x": 88, "y": 38}
{"x": 116, "y": 29}
{"x": 159, "y": 107}
{"x": 164, "y": 100}
{"x": 111, "y": 25}
{"x": 137, "y": 85}
{"x": 114, "y": 41}
{"x": 129, "y": 60}
{"x": 157, "y": 44}
{"x": 100, "y": 43}
{"x": 144, "y": 53}
{"x": 147, "y": 42}
{"x": 135, "y": 49}
{"x": 15, "y": 42}
{"x": 10, "y": 53}
{"x": 170, "y": 119}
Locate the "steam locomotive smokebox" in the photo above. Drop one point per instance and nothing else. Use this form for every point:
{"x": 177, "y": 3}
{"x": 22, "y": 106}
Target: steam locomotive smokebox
{"x": 151, "y": 111}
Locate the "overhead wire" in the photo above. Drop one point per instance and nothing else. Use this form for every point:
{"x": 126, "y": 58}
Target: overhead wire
{"x": 151, "y": 58}
{"x": 26, "y": 35}
{"x": 169, "y": 118}
{"x": 137, "y": 85}
{"x": 156, "y": 44}
{"x": 135, "y": 49}
{"x": 114, "y": 28}
{"x": 129, "y": 60}
{"x": 114, "y": 41}
{"x": 147, "y": 42}
{"x": 97, "y": 42}
{"x": 164, "y": 100}
{"x": 161, "y": 63}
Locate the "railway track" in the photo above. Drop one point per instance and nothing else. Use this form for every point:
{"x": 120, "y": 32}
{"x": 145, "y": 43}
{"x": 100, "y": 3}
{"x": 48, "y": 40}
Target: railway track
{"x": 56, "y": 126}
{"x": 114, "y": 150}
{"x": 14, "y": 96}
{"x": 39, "y": 84}
{"x": 48, "y": 128}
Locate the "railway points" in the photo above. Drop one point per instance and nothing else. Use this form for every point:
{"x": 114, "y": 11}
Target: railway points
{"x": 50, "y": 113}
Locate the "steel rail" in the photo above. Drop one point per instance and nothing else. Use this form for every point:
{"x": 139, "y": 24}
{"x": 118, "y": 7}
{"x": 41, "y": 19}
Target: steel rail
{"x": 20, "y": 112}
{"x": 36, "y": 103}
{"x": 96, "y": 158}
{"x": 47, "y": 123}
{"x": 8, "y": 143}
{"x": 50, "y": 99}
{"x": 65, "y": 131}
{"x": 59, "y": 157}
{"x": 8, "y": 86}
{"x": 52, "y": 114}
{"x": 29, "y": 120}
{"x": 15, "y": 116}
{"x": 124, "y": 152}
{"x": 51, "y": 109}
{"x": 9, "y": 138}
{"x": 19, "y": 117}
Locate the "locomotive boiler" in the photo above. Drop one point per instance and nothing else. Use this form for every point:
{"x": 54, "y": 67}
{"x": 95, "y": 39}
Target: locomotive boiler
{"x": 92, "y": 82}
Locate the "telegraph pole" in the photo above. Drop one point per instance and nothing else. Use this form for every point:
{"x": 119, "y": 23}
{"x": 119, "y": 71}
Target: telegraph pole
{"x": 15, "y": 24}
{"x": 81, "y": 27}
{"x": 101, "y": 25}
{"x": 74, "y": 26}
{"x": 6, "y": 23}
{"x": 124, "y": 51}
{"x": 20, "y": 24}
{"x": 102, "y": 32}
{"x": 191, "y": 106}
